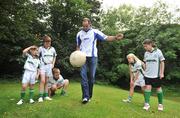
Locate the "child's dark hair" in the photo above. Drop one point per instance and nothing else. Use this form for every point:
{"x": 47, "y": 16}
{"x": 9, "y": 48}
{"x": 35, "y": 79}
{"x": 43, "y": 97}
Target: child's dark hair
{"x": 149, "y": 41}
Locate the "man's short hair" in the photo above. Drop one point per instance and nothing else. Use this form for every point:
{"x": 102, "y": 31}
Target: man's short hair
{"x": 148, "y": 41}
{"x": 87, "y": 19}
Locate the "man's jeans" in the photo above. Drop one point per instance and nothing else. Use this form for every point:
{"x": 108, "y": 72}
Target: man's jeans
{"x": 88, "y": 79}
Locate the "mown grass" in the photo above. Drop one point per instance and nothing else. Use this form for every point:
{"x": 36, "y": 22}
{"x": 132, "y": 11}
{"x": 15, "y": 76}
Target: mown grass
{"x": 106, "y": 103}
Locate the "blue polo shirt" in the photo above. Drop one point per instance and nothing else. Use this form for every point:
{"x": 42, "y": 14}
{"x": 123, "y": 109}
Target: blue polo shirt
{"x": 87, "y": 41}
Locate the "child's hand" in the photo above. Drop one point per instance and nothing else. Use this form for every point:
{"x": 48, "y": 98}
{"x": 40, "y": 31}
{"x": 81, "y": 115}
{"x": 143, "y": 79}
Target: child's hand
{"x": 161, "y": 76}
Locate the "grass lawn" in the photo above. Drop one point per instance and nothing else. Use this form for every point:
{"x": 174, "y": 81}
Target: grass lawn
{"x": 106, "y": 103}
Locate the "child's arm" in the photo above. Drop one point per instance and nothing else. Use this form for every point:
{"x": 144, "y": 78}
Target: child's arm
{"x": 162, "y": 66}
{"x": 136, "y": 76}
{"x": 54, "y": 58}
{"x": 25, "y": 51}
{"x": 37, "y": 75}
{"x": 53, "y": 63}
{"x": 143, "y": 65}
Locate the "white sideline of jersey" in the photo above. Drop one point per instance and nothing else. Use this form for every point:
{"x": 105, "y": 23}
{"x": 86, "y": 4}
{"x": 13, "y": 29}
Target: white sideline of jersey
{"x": 153, "y": 60}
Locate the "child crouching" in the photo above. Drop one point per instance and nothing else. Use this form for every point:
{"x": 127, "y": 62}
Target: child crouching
{"x": 57, "y": 82}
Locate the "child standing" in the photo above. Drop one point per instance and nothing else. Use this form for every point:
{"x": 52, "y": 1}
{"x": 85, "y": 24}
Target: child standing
{"x": 57, "y": 82}
{"x": 136, "y": 75}
{"x": 47, "y": 55}
{"x": 154, "y": 72}
{"x": 30, "y": 72}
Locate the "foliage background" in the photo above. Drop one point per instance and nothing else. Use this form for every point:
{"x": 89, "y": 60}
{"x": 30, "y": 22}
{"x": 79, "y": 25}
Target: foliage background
{"x": 24, "y": 22}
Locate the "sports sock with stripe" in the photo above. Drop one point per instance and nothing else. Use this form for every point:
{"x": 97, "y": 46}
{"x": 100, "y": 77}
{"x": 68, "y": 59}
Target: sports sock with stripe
{"x": 147, "y": 94}
{"x": 40, "y": 94}
{"x": 31, "y": 93}
{"x": 22, "y": 94}
{"x": 160, "y": 96}
{"x": 46, "y": 94}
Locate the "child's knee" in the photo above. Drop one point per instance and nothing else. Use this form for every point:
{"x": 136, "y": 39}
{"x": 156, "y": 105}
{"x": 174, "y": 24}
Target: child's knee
{"x": 159, "y": 89}
{"x": 131, "y": 85}
{"x": 66, "y": 82}
{"x": 24, "y": 86}
{"x": 148, "y": 87}
{"x": 31, "y": 86}
{"x": 43, "y": 80}
{"x": 54, "y": 87}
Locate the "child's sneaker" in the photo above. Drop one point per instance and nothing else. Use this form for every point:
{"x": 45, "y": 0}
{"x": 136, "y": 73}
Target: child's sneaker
{"x": 40, "y": 99}
{"x": 160, "y": 107}
{"x": 48, "y": 98}
{"x": 20, "y": 102}
{"x": 126, "y": 100}
{"x": 146, "y": 106}
{"x": 31, "y": 101}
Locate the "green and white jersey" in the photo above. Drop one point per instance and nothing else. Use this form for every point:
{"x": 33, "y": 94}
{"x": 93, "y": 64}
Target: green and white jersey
{"x": 47, "y": 55}
{"x": 137, "y": 66}
{"x": 152, "y": 60}
{"x": 54, "y": 81}
{"x": 31, "y": 63}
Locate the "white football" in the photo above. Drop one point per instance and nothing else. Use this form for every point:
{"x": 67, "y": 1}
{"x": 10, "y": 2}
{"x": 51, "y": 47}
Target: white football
{"x": 77, "y": 58}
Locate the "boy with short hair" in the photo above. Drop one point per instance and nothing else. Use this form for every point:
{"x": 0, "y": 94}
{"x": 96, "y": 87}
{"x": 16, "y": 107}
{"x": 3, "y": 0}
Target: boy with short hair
{"x": 47, "y": 55}
{"x": 57, "y": 82}
{"x": 30, "y": 72}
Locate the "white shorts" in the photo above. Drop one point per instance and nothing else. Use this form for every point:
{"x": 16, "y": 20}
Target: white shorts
{"x": 139, "y": 82}
{"x": 29, "y": 77}
{"x": 46, "y": 70}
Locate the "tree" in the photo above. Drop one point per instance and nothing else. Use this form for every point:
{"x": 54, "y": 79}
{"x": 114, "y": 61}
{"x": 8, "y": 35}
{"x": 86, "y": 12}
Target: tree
{"x": 64, "y": 22}
{"x": 18, "y": 29}
{"x": 138, "y": 24}
{"x": 23, "y": 23}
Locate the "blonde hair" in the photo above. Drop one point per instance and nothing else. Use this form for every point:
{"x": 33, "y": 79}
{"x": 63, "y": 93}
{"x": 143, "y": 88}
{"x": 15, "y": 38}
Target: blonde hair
{"x": 134, "y": 57}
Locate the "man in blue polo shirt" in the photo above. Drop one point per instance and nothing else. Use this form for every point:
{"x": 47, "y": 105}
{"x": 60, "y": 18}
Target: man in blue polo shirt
{"x": 86, "y": 42}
